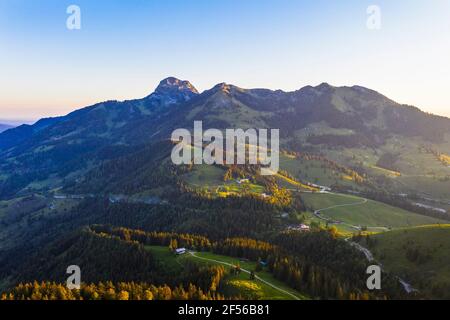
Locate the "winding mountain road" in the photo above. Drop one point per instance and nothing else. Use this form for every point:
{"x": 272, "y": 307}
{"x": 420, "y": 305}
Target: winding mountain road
{"x": 364, "y": 201}
{"x": 367, "y": 253}
{"x": 317, "y": 213}
{"x": 369, "y": 256}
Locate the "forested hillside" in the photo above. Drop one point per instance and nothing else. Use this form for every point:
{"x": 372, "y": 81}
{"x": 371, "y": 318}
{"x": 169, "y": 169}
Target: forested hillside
{"x": 336, "y": 277}
{"x": 97, "y": 188}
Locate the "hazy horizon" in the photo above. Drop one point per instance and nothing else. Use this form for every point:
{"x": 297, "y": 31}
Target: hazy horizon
{"x": 18, "y": 121}
{"x": 125, "y": 48}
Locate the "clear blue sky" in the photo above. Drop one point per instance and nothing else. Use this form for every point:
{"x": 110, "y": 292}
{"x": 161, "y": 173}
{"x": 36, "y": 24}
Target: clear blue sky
{"x": 126, "y": 47}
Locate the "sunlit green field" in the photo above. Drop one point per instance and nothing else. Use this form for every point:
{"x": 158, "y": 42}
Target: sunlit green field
{"x": 210, "y": 179}
{"x": 313, "y": 171}
{"x": 370, "y": 214}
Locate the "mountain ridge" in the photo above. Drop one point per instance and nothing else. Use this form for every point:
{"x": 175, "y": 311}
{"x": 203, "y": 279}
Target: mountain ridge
{"x": 349, "y": 117}
{"x": 4, "y": 127}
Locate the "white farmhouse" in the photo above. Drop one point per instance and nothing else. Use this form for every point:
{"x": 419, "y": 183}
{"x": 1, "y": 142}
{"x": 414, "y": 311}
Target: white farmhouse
{"x": 180, "y": 251}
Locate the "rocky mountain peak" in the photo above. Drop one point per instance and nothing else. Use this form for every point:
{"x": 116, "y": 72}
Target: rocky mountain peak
{"x": 171, "y": 91}
{"x": 172, "y": 85}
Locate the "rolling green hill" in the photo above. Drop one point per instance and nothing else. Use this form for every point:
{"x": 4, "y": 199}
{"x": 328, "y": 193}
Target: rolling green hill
{"x": 421, "y": 255}
{"x": 115, "y": 156}
{"x": 317, "y": 171}
{"x": 235, "y": 285}
{"x": 357, "y": 211}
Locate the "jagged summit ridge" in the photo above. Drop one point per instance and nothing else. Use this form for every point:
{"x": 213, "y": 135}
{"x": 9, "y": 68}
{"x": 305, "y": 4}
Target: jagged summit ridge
{"x": 172, "y": 91}
{"x": 172, "y": 84}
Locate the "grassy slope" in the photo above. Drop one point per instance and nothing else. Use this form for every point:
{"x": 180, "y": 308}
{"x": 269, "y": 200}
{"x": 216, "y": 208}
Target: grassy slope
{"x": 16, "y": 216}
{"x": 313, "y": 171}
{"x": 372, "y": 213}
{"x": 420, "y": 171}
{"x": 205, "y": 175}
{"x": 210, "y": 178}
{"x": 390, "y": 248}
{"x": 288, "y": 183}
{"x": 241, "y": 282}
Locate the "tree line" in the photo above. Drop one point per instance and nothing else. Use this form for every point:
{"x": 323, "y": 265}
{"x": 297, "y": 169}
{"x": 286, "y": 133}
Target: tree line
{"x": 109, "y": 291}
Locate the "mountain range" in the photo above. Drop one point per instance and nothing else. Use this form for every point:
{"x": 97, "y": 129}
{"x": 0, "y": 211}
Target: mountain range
{"x": 310, "y": 119}
{"x": 353, "y": 163}
{"x": 4, "y": 127}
